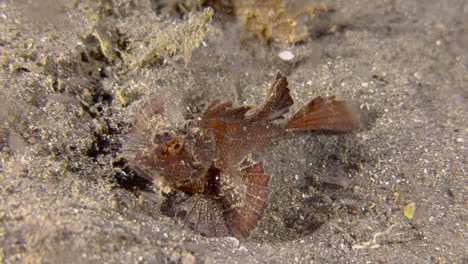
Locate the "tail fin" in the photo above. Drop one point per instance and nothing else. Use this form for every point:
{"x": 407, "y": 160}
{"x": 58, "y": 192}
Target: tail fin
{"x": 326, "y": 114}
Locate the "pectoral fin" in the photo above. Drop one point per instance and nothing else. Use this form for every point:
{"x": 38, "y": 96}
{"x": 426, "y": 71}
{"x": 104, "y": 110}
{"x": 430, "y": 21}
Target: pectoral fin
{"x": 245, "y": 196}
{"x": 203, "y": 214}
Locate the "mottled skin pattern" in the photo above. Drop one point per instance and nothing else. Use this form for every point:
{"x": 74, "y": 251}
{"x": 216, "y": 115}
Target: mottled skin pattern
{"x": 210, "y": 158}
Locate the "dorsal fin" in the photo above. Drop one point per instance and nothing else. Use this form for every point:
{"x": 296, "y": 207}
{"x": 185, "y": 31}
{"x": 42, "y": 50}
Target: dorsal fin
{"x": 225, "y": 111}
{"x": 278, "y": 102}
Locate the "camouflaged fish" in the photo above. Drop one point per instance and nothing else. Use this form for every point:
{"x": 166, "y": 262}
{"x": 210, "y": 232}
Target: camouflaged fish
{"x": 210, "y": 157}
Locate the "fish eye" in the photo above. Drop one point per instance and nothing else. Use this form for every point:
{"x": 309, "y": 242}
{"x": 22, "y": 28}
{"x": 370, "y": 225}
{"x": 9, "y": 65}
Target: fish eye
{"x": 175, "y": 146}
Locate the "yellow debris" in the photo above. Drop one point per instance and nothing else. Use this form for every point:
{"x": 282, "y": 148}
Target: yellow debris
{"x": 121, "y": 96}
{"x": 410, "y": 210}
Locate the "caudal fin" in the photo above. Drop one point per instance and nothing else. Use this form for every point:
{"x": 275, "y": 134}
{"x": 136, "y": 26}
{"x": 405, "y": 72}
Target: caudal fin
{"x": 326, "y": 114}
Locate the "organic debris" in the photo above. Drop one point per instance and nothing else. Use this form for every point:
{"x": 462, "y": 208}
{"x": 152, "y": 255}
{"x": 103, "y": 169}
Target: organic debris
{"x": 183, "y": 7}
{"x": 409, "y": 210}
{"x": 276, "y": 20}
{"x": 282, "y": 21}
{"x": 179, "y": 39}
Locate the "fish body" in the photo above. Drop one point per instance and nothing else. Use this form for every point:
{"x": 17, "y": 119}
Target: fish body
{"x": 211, "y": 157}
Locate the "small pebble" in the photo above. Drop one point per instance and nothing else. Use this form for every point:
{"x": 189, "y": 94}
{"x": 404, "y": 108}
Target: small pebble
{"x": 243, "y": 249}
{"x": 286, "y": 55}
{"x": 234, "y": 240}
{"x": 418, "y": 75}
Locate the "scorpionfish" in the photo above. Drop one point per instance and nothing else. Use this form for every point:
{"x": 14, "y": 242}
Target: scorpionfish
{"x": 210, "y": 158}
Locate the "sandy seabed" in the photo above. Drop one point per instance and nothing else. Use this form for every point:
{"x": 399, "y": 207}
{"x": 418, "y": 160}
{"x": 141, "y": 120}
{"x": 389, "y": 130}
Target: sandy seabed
{"x": 74, "y": 73}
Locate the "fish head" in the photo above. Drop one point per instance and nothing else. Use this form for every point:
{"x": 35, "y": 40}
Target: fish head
{"x": 182, "y": 157}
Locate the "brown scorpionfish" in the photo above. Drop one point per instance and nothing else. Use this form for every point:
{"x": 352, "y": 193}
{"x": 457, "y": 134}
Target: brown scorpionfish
{"x": 210, "y": 157}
